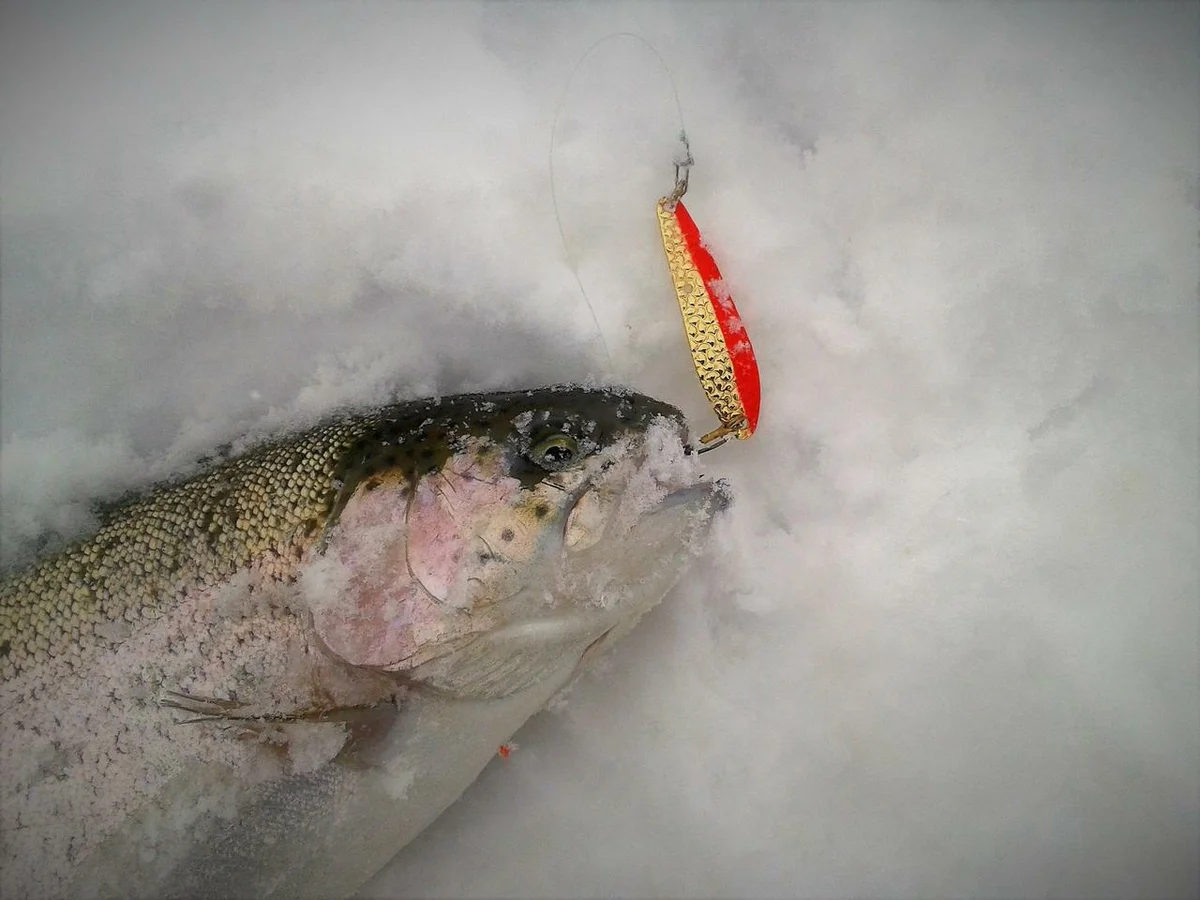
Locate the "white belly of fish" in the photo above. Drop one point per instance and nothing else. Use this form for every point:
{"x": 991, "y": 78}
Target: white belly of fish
{"x": 319, "y": 834}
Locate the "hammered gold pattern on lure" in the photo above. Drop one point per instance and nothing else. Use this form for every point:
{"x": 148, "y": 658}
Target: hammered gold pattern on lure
{"x": 264, "y": 507}
{"x": 709, "y": 353}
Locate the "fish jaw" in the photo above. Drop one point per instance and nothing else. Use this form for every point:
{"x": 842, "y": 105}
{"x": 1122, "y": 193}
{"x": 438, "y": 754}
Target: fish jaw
{"x": 660, "y": 548}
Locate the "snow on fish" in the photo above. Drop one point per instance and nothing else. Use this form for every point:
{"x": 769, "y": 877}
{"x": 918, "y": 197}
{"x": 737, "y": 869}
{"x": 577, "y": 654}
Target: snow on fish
{"x": 266, "y": 679}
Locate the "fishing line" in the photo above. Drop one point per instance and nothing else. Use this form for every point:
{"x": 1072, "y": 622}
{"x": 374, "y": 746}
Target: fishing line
{"x": 721, "y": 352}
{"x": 550, "y": 160}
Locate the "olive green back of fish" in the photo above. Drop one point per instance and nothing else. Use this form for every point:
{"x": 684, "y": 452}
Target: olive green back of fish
{"x": 261, "y": 507}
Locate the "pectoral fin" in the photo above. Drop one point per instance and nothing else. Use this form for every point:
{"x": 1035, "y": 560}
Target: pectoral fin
{"x": 360, "y": 728}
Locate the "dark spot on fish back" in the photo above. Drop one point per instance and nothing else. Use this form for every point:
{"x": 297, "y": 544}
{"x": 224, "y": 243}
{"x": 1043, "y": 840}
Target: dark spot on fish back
{"x": 507, "y": 534}
{"x": 541, "y": 510}
{"x": 5, "y": 648}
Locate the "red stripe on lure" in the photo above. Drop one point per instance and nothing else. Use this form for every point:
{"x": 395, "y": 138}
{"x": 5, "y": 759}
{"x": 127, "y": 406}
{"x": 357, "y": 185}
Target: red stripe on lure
{"x": 737, "y": 341}
{"x": 721, "y": 350}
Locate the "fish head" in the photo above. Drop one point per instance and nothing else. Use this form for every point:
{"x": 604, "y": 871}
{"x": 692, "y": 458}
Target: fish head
{"x": 503, "y": 534}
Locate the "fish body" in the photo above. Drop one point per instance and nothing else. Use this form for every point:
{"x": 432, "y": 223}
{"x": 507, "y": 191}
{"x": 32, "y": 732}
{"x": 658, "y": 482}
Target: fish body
{"x": 265, "y": 679}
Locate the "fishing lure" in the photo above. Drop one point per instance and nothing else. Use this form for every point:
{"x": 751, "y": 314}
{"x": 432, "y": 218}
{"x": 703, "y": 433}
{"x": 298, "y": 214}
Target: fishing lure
{"x": 720, "y": 346}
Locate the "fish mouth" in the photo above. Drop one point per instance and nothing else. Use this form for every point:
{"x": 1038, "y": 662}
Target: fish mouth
{"x": 687, "y": 510}
{"x": 659, "y": 473}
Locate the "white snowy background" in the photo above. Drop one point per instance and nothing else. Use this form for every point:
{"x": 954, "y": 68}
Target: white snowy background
{"x": 948, "y": 641}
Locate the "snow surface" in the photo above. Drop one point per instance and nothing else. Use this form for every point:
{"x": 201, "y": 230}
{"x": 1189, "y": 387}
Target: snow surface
{"x": 949, "y": 641}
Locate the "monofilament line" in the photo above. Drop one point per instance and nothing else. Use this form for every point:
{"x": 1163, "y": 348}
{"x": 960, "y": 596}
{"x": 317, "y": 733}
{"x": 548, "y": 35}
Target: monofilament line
{"x": 554, "y": 191}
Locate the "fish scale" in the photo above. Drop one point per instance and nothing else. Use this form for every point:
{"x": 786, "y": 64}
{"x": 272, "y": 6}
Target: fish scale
{"x": 151, "y": 550}
{"x": 264, "y": 507}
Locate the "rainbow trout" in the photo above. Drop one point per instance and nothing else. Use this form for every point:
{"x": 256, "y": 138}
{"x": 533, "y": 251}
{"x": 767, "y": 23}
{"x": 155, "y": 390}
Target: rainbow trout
{"x": 265, "y": 679}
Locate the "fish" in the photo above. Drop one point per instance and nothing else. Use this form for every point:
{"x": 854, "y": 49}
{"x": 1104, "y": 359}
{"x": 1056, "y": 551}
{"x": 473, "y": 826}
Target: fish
{"x": 266, "y": 678}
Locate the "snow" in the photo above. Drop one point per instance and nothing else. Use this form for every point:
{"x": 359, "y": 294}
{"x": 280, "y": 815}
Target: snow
{"x": 948, "y": 642}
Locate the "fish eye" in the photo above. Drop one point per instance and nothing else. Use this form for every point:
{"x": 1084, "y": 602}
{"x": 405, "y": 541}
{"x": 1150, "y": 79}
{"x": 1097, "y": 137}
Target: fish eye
{"x": 555, "y": 452}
